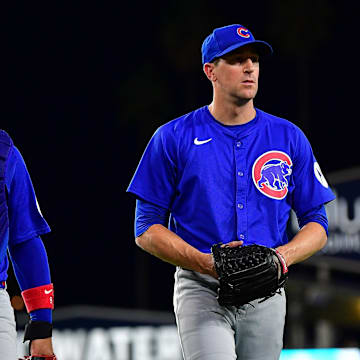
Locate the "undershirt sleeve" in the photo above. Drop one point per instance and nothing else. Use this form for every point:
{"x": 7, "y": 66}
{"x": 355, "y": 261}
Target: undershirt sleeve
{"x": 31, "y": 268}
{"x": 147, "y": 214}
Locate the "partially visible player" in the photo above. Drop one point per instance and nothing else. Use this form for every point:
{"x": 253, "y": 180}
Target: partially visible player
{"x": 21, "y": 224}
{"x": 230, "y": 173}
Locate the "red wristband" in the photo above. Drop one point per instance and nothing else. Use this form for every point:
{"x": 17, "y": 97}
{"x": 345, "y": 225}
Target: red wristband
{"x": 41, "y": 297}
{"x": 282, "y": 261}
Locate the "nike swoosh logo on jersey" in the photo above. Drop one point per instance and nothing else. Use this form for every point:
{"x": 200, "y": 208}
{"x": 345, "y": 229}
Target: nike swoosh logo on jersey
{"x": 200, "y": 142}
{"x": 47, "y": 292}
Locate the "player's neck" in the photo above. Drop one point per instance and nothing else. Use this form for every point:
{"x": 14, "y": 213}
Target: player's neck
{"x": 232, "y": 114}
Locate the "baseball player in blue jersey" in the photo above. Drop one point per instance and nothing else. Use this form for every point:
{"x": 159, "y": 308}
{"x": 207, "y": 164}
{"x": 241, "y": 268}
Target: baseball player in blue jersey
{"x": 21, "y": 225}
{"x": 228, "y": 172}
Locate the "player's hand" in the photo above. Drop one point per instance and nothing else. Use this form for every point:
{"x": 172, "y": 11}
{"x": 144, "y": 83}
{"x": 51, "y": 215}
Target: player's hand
{"x": 42, "y": 347}
{"x": 210, "y": 264}
{"x": 234, "y": 243}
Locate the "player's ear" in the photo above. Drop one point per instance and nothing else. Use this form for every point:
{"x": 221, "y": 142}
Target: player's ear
{"x": 209, "y": 71}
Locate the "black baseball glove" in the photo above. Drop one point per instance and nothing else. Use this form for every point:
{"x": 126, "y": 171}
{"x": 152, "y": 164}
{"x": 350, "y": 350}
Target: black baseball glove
{"x": 248, "y": 273}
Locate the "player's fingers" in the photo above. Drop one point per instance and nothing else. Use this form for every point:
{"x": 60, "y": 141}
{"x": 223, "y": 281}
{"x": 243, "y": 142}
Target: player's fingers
{"x": 234, "y": 243}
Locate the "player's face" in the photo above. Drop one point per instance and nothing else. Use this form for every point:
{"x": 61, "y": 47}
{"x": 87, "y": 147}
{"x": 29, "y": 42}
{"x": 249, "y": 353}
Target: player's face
{"x": 237, "y": 74}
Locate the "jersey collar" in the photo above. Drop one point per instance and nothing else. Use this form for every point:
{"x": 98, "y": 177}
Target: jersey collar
{"x": 234, "y": 131}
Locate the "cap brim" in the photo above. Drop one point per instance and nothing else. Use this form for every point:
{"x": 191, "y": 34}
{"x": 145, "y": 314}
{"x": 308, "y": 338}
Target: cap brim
{"x": 262, "y": 47}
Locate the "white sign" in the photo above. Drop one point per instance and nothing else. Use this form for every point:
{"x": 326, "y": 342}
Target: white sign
{"x": 117, "y": 343}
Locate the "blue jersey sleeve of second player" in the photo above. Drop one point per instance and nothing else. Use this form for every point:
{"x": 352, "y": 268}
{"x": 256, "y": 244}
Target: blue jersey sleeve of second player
{"x": 25, "y": 218}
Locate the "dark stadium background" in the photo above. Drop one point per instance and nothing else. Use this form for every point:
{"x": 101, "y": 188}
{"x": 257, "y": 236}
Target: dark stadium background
{"x": 85, "y": 84}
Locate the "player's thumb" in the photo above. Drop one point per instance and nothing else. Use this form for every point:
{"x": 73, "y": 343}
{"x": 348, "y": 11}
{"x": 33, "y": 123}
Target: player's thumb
{"x": 234, "y": 243}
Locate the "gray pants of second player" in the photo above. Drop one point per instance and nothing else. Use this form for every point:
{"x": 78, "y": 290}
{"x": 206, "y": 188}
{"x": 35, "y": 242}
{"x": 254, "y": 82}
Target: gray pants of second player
{"x": 7, "y": 328}
{"x": 209, "y": 331}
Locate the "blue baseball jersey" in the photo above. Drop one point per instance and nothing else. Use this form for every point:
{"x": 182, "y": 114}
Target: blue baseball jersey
{"x": 224, "y": 183}
{"x": 25, "y": 218}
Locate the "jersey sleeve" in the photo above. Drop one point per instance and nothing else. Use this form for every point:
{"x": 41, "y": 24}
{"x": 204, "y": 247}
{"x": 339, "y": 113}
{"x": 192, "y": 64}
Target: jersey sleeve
{"x": 317, "y": 215}
{"x": 155, "y": 177}
{"x": 25, "y": 218}
{"x": 311, "y": 188}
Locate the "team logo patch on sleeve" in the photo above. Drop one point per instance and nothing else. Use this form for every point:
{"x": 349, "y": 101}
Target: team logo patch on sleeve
{"x": 270, "y": 174}
{"x": 319, "y": 175}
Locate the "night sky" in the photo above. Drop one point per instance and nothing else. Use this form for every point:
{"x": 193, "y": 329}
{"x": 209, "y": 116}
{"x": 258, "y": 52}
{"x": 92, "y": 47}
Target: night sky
{"x": 85, "y": 85}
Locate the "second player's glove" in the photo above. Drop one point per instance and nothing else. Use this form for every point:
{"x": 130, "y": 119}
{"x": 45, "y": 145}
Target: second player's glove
{"x": 247, "y": 273}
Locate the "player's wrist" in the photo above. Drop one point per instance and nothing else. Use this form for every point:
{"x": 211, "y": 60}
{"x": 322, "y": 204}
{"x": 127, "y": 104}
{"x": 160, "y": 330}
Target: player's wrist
{"x": 282, "y": 260}
{"x": 207, "y": 265}
{"x": 42, "y": 347}
{"x": 284, "y": 253}
{"x": 37, "y": 330}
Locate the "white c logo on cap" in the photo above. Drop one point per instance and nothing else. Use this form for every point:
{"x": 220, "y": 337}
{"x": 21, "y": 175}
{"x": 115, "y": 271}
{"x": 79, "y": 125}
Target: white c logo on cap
{"x": 243, "y": 32}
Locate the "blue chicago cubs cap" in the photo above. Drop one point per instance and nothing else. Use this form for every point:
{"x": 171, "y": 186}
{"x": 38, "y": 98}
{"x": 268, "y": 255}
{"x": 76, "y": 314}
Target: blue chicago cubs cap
{"x": 228, "y": 38}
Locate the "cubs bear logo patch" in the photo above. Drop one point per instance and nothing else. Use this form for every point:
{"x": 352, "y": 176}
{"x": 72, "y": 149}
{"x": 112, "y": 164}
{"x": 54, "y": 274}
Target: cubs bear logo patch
{"x": 271, "y": 172}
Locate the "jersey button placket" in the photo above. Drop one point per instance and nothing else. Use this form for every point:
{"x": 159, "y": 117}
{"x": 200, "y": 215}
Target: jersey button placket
{"x": 241, "y": 186}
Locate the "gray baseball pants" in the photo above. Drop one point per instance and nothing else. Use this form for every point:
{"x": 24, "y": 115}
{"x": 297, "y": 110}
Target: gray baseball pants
{"x": 7, "y": 328}
{"x": 209, "y": 331}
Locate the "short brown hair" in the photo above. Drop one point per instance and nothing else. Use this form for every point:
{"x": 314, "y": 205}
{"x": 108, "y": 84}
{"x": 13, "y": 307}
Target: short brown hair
{"x": 216, "y": 61}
